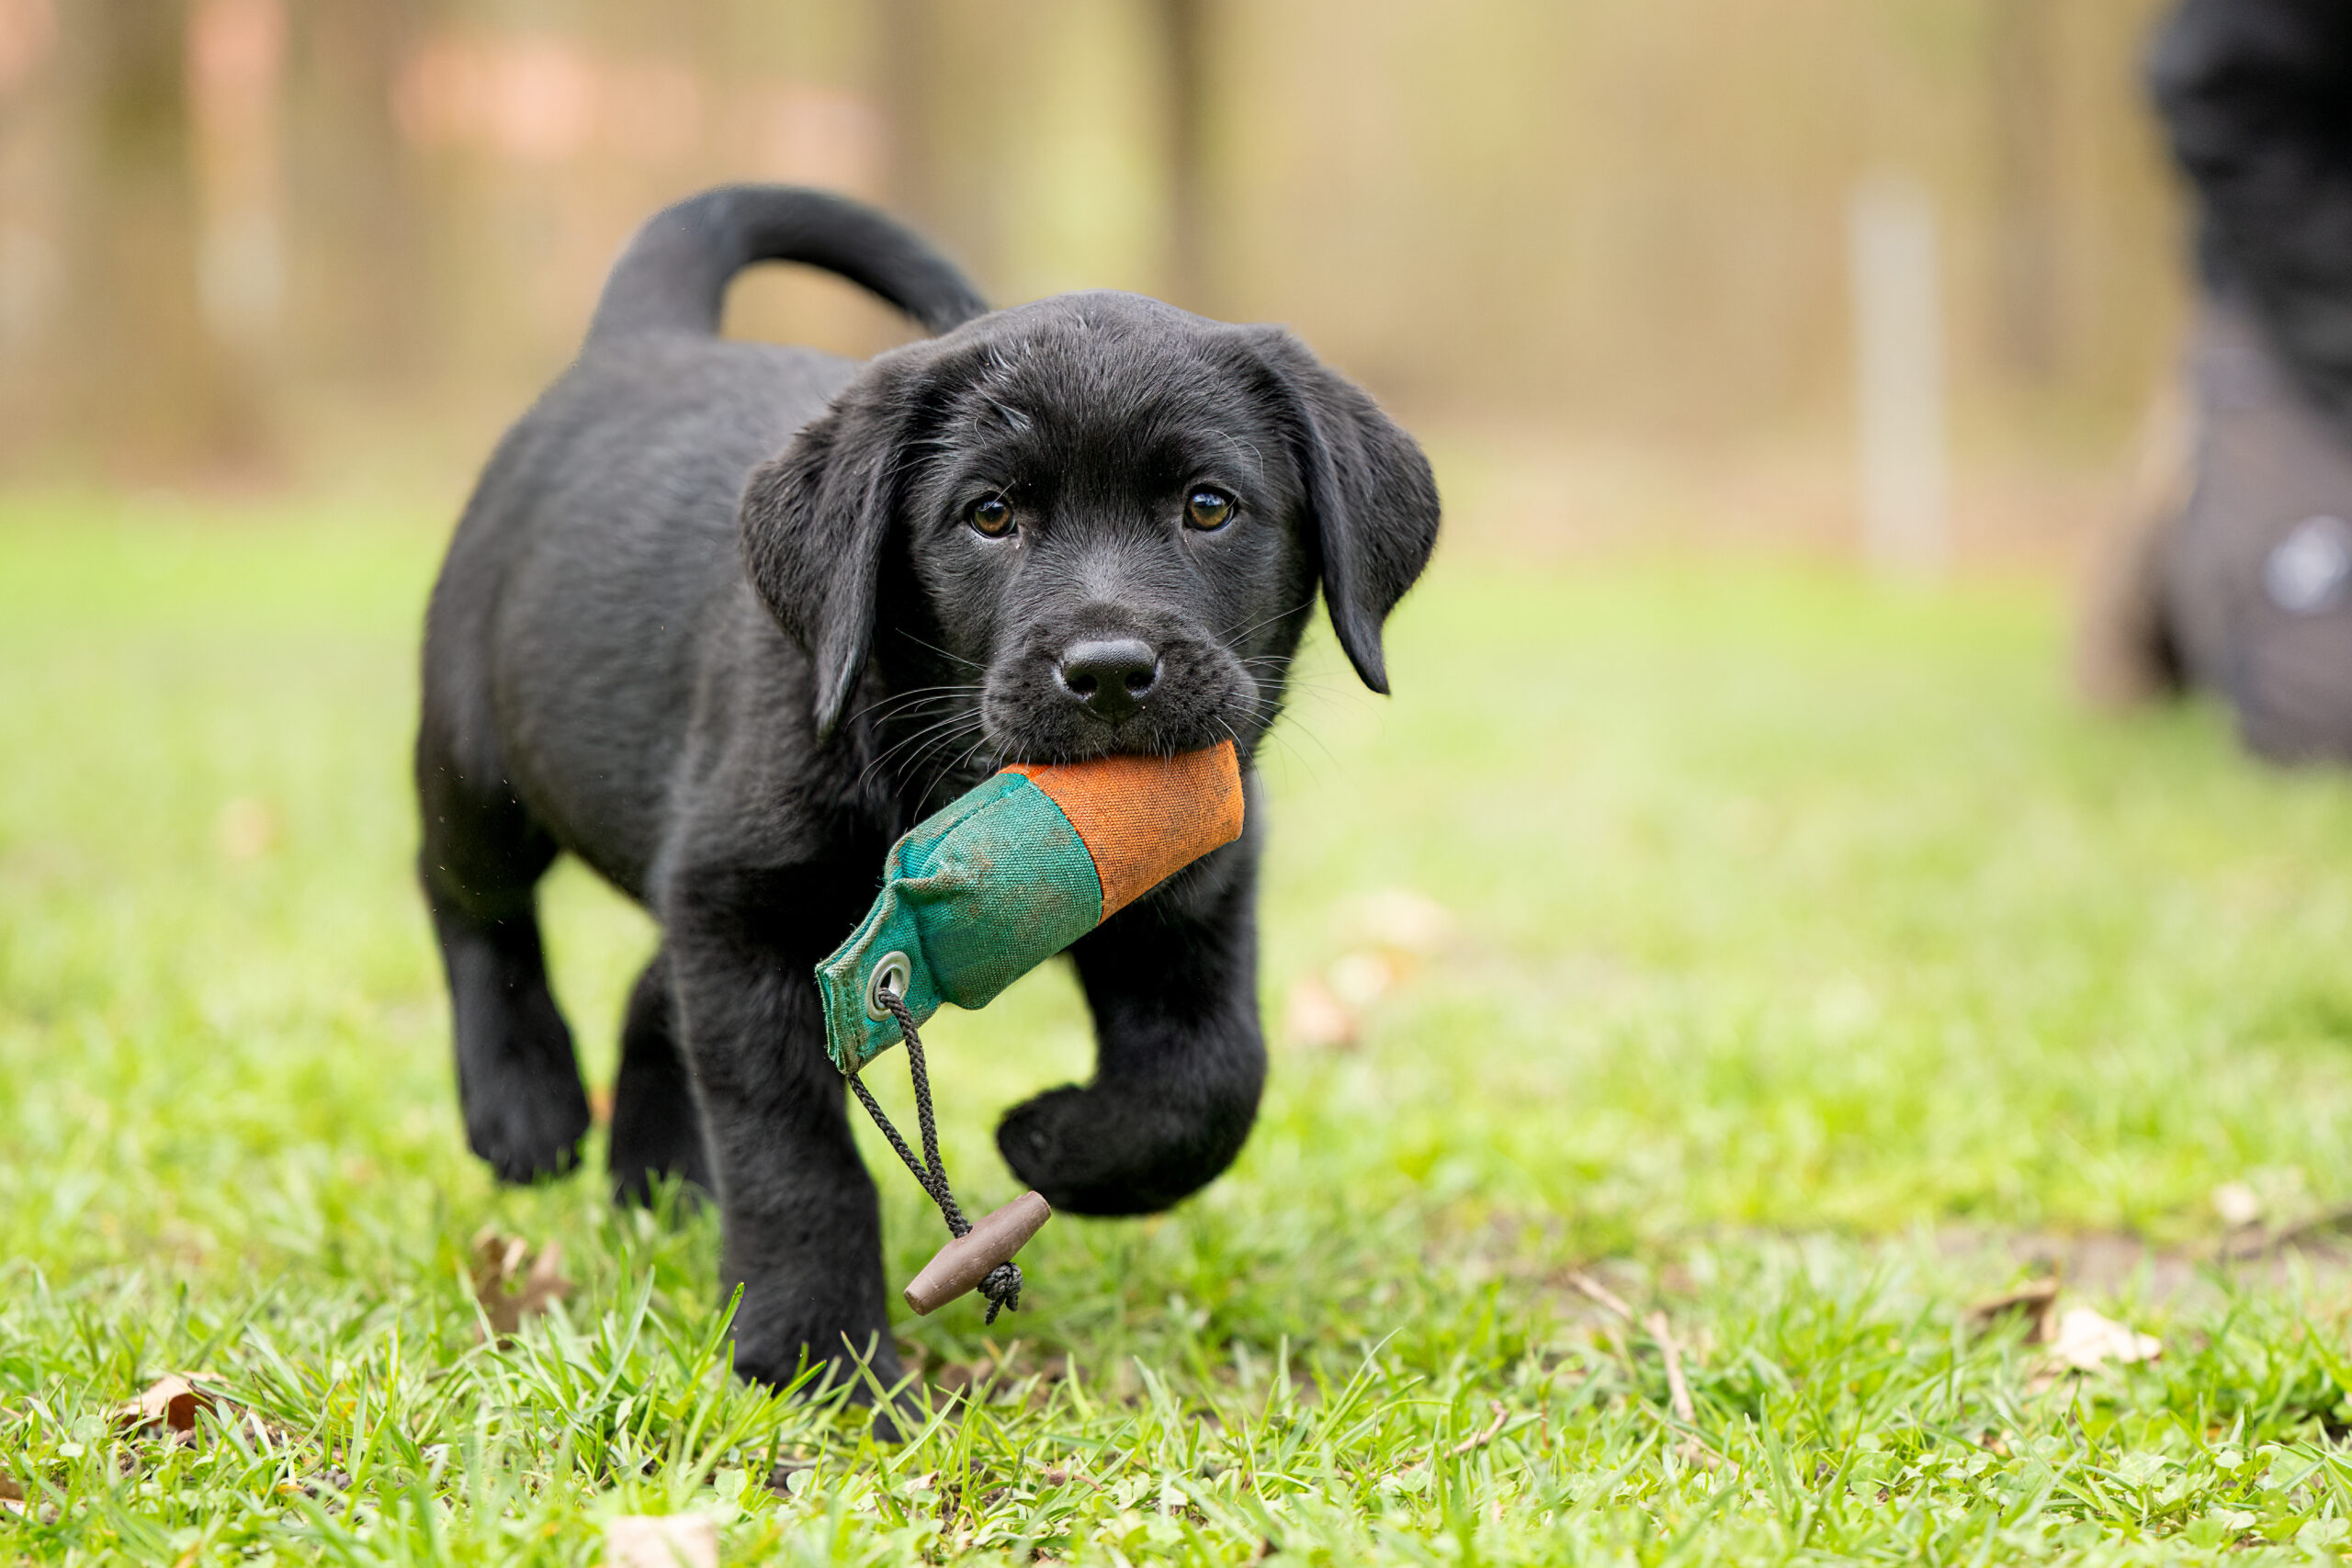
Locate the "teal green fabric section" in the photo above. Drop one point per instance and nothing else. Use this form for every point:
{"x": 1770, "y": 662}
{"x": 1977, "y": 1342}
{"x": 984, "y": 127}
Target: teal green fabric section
{"x": 976, "y": 895}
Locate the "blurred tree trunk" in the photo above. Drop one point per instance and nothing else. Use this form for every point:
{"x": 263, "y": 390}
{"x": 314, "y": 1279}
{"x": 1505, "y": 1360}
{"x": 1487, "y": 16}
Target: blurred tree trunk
{"x": 945, "y": 165}
{"x": 360, "y": 256}
{"x": 31, "y": 179}
{"x": 908, "y": 31}
{"x": 146, "y": 383}
{"x": 2025, "y": 151}
{"x": 1184, "y": 40}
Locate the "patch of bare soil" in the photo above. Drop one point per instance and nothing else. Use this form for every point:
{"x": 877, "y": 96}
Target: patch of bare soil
{"x": 2105, "y": 1266}
{"x": 2316, "y": 1251}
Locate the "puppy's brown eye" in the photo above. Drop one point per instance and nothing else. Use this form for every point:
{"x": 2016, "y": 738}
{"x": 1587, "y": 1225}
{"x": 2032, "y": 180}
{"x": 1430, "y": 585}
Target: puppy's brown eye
{"x": 1208, "y": 510}
{"x": 992, "y": 517}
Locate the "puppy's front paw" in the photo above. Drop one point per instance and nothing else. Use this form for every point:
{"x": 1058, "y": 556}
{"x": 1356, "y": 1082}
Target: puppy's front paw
{"x": 1123, "y": 1151}
{"x": 526, "y": 1129}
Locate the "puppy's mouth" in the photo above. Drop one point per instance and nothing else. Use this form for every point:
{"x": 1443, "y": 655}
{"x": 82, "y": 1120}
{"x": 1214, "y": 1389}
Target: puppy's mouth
{"x": 1079, "y": 698}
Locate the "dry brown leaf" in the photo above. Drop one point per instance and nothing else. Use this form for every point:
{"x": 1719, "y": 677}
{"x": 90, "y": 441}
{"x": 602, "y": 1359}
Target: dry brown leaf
{"x": 2032, "y": 1300}
{"x": 1359, "y": 979}
{"x": 12, "y": 1495}
{"x": 1402, "y": 920}
{"x": 661, "y": 1541}
{"x": 2085, "y": 1341}
{"x": 1318, "y": 1019}
{"x": 510, "y": 1284}
{"x": 170, "y": 1404}
{"x": 2237, "y": 1205}
{"x": 247, "y": 828}
{"x": 1390, "y": 933}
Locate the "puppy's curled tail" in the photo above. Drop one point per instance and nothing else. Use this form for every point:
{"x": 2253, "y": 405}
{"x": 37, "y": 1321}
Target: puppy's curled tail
{"x": 674, "y": 275}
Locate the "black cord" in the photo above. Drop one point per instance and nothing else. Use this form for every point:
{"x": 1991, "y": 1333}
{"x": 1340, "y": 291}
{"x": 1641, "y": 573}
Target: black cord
{"x": 1002, "y": 1287}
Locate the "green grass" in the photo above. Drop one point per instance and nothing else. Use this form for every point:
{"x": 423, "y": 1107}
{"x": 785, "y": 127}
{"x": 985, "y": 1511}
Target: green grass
{"x": 1810, "y": 949}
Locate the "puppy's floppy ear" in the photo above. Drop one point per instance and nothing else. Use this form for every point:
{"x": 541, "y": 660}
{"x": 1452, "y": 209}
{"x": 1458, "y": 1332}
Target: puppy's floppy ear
{"x": 814, "y": 521}
{"x": 1371, "y": 498}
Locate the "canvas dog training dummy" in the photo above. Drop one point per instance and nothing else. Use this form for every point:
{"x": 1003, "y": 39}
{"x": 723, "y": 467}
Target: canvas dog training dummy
{"x": 727, "y": 621}
{"x": 982, "y": 893}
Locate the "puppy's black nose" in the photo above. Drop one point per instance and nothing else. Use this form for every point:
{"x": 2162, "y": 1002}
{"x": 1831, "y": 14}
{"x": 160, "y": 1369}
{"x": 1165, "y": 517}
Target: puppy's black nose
{"x": 1111, "y": 677}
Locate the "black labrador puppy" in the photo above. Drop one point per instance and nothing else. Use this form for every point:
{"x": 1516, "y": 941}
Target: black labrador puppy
{"x": 723, "y": 619}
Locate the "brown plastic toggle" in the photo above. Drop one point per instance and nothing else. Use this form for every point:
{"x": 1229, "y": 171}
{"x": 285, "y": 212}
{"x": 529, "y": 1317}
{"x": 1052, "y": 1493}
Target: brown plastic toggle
{"x": 963, "y": 1263}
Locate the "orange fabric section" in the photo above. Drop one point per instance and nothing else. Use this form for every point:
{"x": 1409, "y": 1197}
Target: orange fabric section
{"x": 1145, "y": 818}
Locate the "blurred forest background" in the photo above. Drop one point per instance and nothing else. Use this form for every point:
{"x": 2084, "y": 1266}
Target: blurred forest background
{"x": 1595, "y": 250}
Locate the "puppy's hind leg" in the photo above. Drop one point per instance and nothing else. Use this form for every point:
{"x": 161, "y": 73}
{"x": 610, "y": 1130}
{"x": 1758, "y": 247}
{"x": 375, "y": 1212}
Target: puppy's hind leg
{"x": 483, "y": 856}
{"x": 657, "y": 1128}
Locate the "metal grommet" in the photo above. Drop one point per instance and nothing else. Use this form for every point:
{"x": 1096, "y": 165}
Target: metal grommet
{"x": 892, "y": 970}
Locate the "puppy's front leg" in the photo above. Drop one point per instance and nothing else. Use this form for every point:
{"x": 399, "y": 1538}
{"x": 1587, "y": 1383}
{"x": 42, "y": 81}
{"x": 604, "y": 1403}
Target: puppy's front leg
{"x": 1179, "y": 1058}
{"x": 802, "y": 1229}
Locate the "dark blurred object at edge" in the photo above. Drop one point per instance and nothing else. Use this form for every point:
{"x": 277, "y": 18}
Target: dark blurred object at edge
{"x": 2235, "y": 574}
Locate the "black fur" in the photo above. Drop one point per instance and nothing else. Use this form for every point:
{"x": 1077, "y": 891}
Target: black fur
{"x": 2256, "y": 96}
{"x": 716, "y": 622}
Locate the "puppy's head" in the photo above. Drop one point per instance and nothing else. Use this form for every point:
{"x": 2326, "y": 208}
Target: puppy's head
{"x": 1092, "y": 525}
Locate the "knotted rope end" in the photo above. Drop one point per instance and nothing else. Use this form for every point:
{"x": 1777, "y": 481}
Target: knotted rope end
{"x": 980, "y": 1256}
